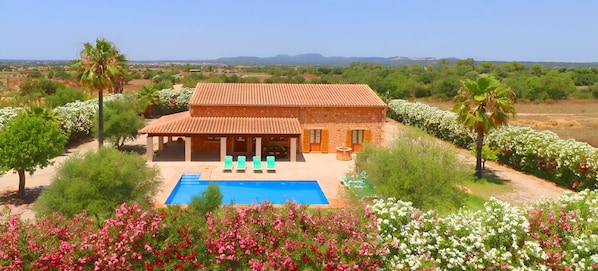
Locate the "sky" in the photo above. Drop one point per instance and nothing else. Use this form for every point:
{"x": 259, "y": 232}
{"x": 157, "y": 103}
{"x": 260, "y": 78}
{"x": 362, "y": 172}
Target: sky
{"x": 507, "y": 30}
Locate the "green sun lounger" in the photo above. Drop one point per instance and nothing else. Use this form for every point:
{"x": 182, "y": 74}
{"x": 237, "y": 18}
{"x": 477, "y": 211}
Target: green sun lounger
{"x": 270, "y": 163}
{"x": 257, "y": 164}
{"x": 228, "y": 163}
{"x": 358, "y": 181}
{"x": 241, "y": 163}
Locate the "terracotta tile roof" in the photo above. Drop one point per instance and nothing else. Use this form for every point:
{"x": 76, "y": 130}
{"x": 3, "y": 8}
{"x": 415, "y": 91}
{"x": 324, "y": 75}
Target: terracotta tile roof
{"x": 322, "y": 95}
{"x": 184, "y": 124}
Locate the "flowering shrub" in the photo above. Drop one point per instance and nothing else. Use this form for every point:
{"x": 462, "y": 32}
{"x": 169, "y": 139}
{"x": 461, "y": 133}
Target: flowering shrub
{"x": 388, "y": 235}
{"x": 262, "y": 237}
{"x": 439, "y": 123}
{"x": 77, "y": 118}
{"x": 173, "y": 101}
{"x": 258, "y": 237}
{"x": 56, "y": 243}
{"x": 7, "y": 113}
{"x": 567, "y": 162}
{"x": 561, "y": 235}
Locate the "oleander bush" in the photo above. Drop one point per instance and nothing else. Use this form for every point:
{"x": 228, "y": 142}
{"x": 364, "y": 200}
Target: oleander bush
{"x": 568, "y": 163}
{"x": 173, "y": 101}
{"x": 257, "y": 237}
{"x": 387, "y": 235}
{"x": 550, "y": 235}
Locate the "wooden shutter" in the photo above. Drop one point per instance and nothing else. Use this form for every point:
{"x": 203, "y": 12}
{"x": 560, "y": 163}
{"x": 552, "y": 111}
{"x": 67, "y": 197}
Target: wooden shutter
{"x": 367, "y": 135}
{"x": 305, "y": 146}
{"x": 324, "y": 141}
{"x": 349, "y": 139}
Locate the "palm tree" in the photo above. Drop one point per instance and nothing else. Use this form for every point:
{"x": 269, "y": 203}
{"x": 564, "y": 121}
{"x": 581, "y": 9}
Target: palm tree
{"x": 482, "y": 105}
{"x": 101, "y": 66}
{"x": 147, "y": 97}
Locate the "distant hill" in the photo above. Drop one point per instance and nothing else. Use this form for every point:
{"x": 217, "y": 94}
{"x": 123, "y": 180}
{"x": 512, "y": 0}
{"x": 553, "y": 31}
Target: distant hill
{"x": 320, "y": 60}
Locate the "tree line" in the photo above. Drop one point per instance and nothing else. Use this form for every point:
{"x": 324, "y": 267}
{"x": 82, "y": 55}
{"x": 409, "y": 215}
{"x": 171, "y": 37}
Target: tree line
{"x": 531, "y": 82}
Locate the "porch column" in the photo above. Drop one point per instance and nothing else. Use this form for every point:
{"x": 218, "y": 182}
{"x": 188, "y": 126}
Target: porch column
{"x": 149, "y": 149}
{"x": 160, "y": 144}
{"x": 169, "y": 139}
{"x": 222, "y": 147}
{"x": 293, "y": 151}
{"x": 187, "y": 149}
{"x": 258, "y": 147}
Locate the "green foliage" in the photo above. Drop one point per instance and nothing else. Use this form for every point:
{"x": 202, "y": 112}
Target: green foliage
{"x": 191, "y": 80}
{"x": 35, "y": 74}
{"x": 415, "y": 168}
{"x": 98, "y": 182}
{"x": 147, "y": 97}
{"x": 488, "y": 154}
{"x": 121, "y": 120}
{"x": 42, "y": 86}
{"x": 163, "y": 84}
{"x": 28, "y": 142}
{"x": 557, "y": 85}
{"x": 149, "y": 74}
{"x": 64, "y": 96}
{"x": 594, "y": 90}
{"x": 208, "y": 201}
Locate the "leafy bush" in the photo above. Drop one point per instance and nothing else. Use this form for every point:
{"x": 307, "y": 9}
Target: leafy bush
{"x": 208, "y": 201}
{"x": 415, "y": 168}
{"x": 64, "y": 96}
{"x": 98, "y": 182}
{"x": 121, "y": 120}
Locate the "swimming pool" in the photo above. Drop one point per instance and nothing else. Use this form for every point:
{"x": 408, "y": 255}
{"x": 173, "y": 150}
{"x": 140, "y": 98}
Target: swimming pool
{"x": 249, "y": 191}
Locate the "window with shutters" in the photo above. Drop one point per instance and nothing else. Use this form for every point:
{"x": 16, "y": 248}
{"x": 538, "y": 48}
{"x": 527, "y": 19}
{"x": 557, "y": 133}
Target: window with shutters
{"x": 315, "y": 140}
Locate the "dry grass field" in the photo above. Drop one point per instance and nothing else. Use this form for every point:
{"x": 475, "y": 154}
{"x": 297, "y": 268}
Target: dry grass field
{"x": 576, "y": 119}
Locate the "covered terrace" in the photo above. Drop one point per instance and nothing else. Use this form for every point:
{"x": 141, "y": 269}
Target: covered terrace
{"x": 225, "y": 135}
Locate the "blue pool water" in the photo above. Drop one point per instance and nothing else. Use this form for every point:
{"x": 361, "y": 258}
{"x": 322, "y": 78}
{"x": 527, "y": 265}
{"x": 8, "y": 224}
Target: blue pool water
{"x": 250, "y": 191}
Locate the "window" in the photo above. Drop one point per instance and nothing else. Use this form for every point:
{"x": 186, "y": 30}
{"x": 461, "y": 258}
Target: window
{"x": 357, "y": 136}
{"x": 315, "y": 136}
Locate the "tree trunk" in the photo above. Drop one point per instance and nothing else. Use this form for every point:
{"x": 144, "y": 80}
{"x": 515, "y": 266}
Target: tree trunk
{"x": 21, "y": 183}
{"x": 101, "y": 118}
{"x": 478, "y": 152}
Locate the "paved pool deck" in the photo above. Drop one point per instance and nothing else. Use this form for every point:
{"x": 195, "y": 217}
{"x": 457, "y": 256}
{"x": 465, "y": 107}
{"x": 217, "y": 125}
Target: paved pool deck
{"x": 322, "y": 167}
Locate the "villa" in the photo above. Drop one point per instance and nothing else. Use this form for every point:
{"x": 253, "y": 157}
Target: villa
{"x": 283, "y": 120}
